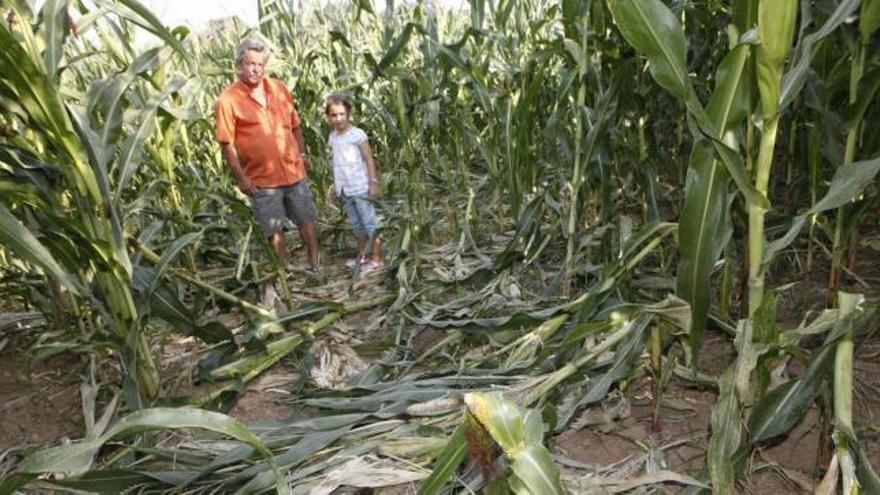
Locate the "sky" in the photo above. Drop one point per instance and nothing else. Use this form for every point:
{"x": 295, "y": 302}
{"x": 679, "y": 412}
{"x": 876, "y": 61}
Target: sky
{"x": 197, "y": 13}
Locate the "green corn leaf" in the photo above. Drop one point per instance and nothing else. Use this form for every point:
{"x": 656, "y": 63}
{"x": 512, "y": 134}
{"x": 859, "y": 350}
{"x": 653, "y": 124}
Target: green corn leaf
{"x": 729, "y": 103}
{"x": 737, "y": 171}
{"x": 848, "y": 182}
{"x": 501, "y": 418}
{"x": 783, "y": 407}
{"x": 108, "y": 481}
{"x": 865, "y": 473}
{"x": 11, "y": 484}
{"x": 574, "y": 49}
{"x": 262, "y": 476}
{"x": 653, "y": 30}
{"x": 55, "y": 28}
{"x": 726, "y": 436}
{"x": 169, "y": 255}
{"x": 22, "y": 242}
{"x": 532, "y": 466}
{"x": 147, "y": 19}
{"x": 77, "y": 458}
{"x": 534, "y": 426}
{"x": 868, "y": 88}
{"x": 702, "y": 229}
{"x": 106, "y": 97}
{"x": 40, "y": 100}
{"x": 397, "y": 47}
{"x": 450, "y": 459}
{"x": 794, "y": 79}
{"x": 624, "y": 357}
{"x": 535, "y": 469}
{"x": 132, "y": 149}
{"x": 869, "y": 19}
{"x": 163, "y": 304}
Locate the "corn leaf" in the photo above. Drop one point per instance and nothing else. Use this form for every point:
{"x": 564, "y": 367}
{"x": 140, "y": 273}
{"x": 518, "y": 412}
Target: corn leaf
{"x": 702, "y": 229}
{"x": 168, "y": 256}
{"x": 624, "y": 358}
{"x": 653, "y": 30}
{"x": 536, "y": 471}
{"x": 726, "y": 436}
{"x": 106, "y": 481}
{"x": 21, "y": 241}
{"x": 868, "y": 87}
{"x": 868, "y": 478}
{"x": 794, "y": 79}
{"x": 783, "y": 407}
{"x": 132, "y": 148}
{"x": 106, "y": 97}
{"x": 533, "y": 468}
{"x": 447, "y": 463}
{"x": 55, "y": 16}
{"x": 848, "y": 182}
{"x": 77, "y": 458}
{"x": 869, "y": 19}
{"x": 146, "y": 19}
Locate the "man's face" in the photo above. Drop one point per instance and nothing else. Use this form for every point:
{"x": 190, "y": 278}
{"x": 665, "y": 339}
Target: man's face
{"x": 252, "y": 67}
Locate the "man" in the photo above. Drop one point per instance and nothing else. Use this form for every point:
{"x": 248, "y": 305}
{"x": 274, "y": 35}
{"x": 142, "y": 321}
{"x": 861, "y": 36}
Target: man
{"x": 259, "y": 132}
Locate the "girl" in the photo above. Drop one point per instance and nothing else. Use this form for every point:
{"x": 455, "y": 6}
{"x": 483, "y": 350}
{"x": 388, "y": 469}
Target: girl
{"x": 355, "y": 180}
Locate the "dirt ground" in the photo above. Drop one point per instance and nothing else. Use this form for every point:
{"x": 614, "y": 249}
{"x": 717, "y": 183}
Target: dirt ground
{"x": 40, "y": 404}
{"x": 681, "y": 444}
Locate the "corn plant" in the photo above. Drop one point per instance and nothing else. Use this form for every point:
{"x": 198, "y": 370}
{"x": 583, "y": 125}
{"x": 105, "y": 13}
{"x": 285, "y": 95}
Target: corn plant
{"x": 89, "y": 257}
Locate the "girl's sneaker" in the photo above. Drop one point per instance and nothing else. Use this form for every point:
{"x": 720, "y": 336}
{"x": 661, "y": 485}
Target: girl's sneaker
{"x": 354, "y": 262}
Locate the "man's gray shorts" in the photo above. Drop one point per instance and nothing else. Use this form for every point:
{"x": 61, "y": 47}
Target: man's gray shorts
{"x": 271, "y": 204}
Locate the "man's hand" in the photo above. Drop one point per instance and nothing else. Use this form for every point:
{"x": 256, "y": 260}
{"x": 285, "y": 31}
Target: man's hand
{"x": 244, "y": 182}
{"x": 307, "y": 165}
{"x": 247, "y": 186}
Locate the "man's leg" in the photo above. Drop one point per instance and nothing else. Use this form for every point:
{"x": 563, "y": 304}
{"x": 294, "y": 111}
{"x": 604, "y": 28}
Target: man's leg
{"x": 278, "y": 243}
{"x": 300, "y": 206}
{"x": 268, "y": 208}
{"x": 309, "y": 233}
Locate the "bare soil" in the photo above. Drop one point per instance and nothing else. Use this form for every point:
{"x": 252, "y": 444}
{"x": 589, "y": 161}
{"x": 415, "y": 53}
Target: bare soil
{"x": 39, "y": 404}
{"x": 788, "y": 465}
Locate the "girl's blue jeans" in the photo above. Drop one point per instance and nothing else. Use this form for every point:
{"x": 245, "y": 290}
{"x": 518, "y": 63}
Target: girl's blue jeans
{"x": 361, "y": 214}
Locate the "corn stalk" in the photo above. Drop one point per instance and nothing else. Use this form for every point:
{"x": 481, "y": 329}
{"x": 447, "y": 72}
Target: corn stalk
{"x": 86, "y": 204}
{"x": 869, "y": 21}
{"x": 776, "y": 22}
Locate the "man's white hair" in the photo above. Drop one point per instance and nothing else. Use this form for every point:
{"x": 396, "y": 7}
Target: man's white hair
{"x": 251, "y": 45}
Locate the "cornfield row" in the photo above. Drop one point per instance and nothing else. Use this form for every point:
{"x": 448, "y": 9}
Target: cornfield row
{"x": 576, "y": 192}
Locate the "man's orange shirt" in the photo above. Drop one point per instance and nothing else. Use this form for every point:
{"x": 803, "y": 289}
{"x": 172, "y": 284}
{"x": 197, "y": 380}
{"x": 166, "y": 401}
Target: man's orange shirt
{"x": 263, "y": 136}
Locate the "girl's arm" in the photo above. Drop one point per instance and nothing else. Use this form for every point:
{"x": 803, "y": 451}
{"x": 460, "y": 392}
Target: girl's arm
{"x": 367, "y": 153}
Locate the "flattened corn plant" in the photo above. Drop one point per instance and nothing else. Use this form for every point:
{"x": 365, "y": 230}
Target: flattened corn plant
{"x": 551, "y": 206}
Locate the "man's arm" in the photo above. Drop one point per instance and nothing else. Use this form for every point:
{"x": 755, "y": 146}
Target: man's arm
{"x": 231, "y": 156}
{"x": 301, "y": 143}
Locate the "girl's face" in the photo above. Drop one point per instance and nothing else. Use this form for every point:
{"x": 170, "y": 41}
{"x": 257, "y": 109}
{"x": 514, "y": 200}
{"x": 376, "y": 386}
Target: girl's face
{"x": 339, "y": 117}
